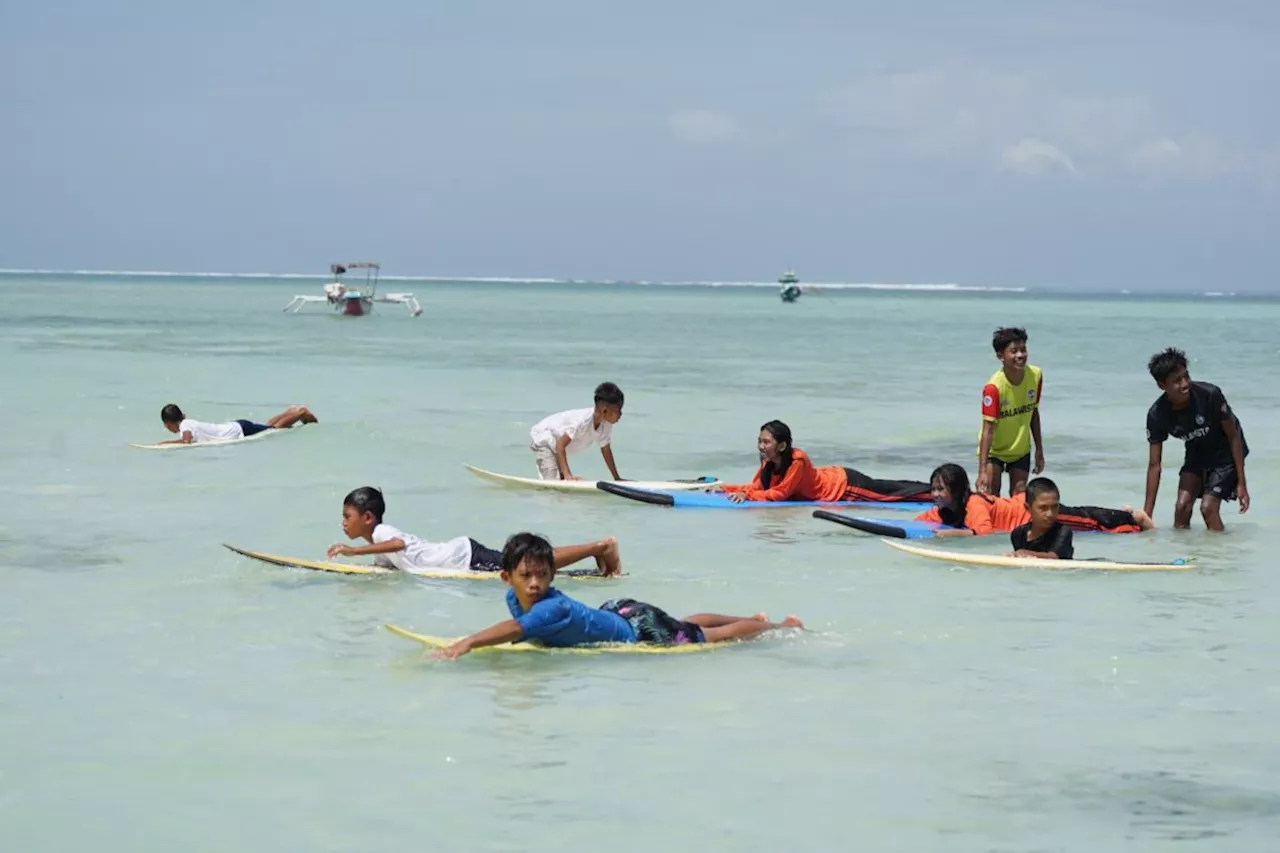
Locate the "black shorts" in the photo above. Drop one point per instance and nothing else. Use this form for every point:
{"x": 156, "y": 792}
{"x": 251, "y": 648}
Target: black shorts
{"x": 653, "y": 624}
{"x": 1023, "y": 464}
{"x": 1217, "y": 482}
{"x": 484, "y": 559}
{"x": 250, "y": 428}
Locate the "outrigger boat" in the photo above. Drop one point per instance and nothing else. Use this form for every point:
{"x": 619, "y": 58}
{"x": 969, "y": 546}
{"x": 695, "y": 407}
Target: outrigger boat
{"x": 354, "y": 301}
{"x": 790, "y": 286}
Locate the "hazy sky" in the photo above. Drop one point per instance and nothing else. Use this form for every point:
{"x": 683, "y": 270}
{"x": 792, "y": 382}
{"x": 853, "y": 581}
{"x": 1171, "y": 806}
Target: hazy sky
{"x": 997, "y": 143}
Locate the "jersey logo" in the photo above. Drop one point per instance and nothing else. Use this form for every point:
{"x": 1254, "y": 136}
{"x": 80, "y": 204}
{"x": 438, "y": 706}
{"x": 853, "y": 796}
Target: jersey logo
{"x": 1031, "y": 396}
{"x": 986, "y": 400}
{"x": 1199, "y": 420}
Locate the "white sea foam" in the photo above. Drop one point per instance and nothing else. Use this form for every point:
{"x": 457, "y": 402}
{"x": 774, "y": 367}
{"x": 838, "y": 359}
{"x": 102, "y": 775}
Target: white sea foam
{"x": 816, "y": 285}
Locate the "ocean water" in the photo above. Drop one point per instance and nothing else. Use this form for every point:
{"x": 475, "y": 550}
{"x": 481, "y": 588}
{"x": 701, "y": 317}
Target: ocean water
{"x": 159, "y": 691}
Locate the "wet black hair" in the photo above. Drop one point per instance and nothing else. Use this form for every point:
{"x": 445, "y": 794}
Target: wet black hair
{"x": 1001, "y": 339}
{"x": 956, "y": 480}
{"x": 1040, "y": 486}
{"x": 366, "y": 499}
{"x": 171, "y": 414}
{"x": 527, "y": 547}
{"x": 782, "y": 434}
{"x": 609, "y": 394}
{"x": 1163, "y": 363}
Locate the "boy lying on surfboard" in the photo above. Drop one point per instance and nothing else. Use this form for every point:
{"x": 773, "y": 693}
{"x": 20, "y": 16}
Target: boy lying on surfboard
{"x": 362, "y": 512}
{"x": 1043, "y": 536}
{"x": 543, "y": 614}
{"x": 193, "y": 431}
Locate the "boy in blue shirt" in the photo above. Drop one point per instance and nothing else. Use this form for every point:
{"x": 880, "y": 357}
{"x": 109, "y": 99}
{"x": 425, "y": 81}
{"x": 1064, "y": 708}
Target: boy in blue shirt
{"x": 543, "y": 614}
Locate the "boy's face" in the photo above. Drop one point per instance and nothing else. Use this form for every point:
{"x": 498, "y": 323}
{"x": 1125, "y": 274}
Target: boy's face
{"x": 530, "y": 581}
{"x": 609, "y": 412}
{"x": 1044, "y": 510}
{"x": 1014, "y": 355}
{"x": 356, "y": 524}
{"x": 171, "y": 427}
{"x": 1177, "y": 385}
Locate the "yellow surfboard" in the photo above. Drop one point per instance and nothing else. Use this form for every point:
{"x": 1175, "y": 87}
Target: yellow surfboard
{"x": 366, "y": 569}
{"x": 975, "y": 559}
{"x": 603, "y": 648}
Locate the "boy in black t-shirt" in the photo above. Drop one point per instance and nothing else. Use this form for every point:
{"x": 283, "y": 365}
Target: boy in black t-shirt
{"x": 1043, "y": 536}
{"x": 1199, "y": 415}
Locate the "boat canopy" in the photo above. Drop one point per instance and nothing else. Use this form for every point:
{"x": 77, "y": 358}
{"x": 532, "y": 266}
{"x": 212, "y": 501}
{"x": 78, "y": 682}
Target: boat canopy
{"x": 339, "y": 269}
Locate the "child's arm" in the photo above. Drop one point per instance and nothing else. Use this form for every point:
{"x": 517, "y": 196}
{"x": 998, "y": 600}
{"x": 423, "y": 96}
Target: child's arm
{"x": 984, "y": 448}
{"x": 186, "y": 438}
{"x": 1038, "y": 466}
{"x": 779, "y": 491}
{"x": 607, "y": 452}
{"x": 1155, "y": 456}
{"x": 562, "y": 456}
{"x": 504, "y": 632}
{"x": 1237, "y": 456}
{"x": 990, "y": 415}
{"x": 388, "y": 547}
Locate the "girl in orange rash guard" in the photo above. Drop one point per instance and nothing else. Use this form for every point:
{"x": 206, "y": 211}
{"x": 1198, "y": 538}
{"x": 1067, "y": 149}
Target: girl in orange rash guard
{"x": 787, "y": 474}
{"x": 977, "y": 515}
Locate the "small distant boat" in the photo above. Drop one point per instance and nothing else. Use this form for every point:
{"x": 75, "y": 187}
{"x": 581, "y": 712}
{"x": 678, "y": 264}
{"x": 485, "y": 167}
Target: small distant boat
{"x": 354, "y": 301}
{"x": 790, "y": 282}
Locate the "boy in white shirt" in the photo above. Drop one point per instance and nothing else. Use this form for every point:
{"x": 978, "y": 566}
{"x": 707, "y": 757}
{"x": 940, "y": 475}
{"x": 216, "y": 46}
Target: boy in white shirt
{"x": 556, "y": 436}
{"x": 193, "y": 431}
{"x": 362, "y": 512}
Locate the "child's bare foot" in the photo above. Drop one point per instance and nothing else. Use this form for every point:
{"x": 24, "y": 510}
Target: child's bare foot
{"x": 761, "y": 617}
{"x": 609, "y": 560}
{"x": 793, "y": 622}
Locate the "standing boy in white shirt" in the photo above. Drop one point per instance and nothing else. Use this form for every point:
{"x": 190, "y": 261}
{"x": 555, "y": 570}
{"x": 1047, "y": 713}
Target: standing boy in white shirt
{"x": 362, "y": 511}
{"x": 556, "y": 436}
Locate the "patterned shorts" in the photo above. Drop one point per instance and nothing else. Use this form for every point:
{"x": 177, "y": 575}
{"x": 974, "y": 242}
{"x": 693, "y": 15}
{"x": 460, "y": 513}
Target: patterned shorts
{"x": 653, "y": 624}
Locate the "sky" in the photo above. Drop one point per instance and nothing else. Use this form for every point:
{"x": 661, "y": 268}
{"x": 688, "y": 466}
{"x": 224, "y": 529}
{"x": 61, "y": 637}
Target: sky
{"x": 1086, "y": 145}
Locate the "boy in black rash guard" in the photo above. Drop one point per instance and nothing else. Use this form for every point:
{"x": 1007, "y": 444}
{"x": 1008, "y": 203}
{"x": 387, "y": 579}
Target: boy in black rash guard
{"x": 1043, "y": 536}
{"x": 1199, "y": 415}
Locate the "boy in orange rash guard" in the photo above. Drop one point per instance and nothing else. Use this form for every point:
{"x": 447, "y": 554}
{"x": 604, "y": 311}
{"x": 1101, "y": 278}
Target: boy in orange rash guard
{"x": 787, "y": 474}
{"x": 982, "y": 514}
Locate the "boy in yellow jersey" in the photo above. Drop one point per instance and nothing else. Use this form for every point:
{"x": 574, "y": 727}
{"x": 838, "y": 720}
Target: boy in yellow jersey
{"x": 1010, "y": 417}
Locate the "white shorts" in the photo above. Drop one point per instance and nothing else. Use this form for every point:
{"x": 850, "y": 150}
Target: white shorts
{"x": 545, "y": 459}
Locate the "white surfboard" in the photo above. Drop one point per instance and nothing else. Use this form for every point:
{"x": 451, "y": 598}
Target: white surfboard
{"x": 368, "y": 569}
{"x": 221, "y": 442}
{"x": 1004, "y": 561}
{"x": 589, "y": 485}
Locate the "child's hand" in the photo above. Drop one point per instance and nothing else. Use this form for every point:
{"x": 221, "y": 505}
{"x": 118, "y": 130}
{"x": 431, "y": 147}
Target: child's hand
{"x": 338, "y": 550}
{"x": 452, "y": 652}
{"x": 737, "y": 497}
{"x": 1039, "y": 466}
{"x": 983, "y": 485}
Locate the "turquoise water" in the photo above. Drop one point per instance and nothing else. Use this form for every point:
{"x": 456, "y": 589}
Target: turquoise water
{"x": 160, "y": 691}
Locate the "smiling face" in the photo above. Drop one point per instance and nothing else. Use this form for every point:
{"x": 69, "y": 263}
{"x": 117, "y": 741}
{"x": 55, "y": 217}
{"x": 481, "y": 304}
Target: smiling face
{"x": 940, "y": 492}
{"x": 531, "y": 579}
{"x": 1177, "y": 386}
{"x": 1014, "y": 355}
{"x": 770, "y": 448}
